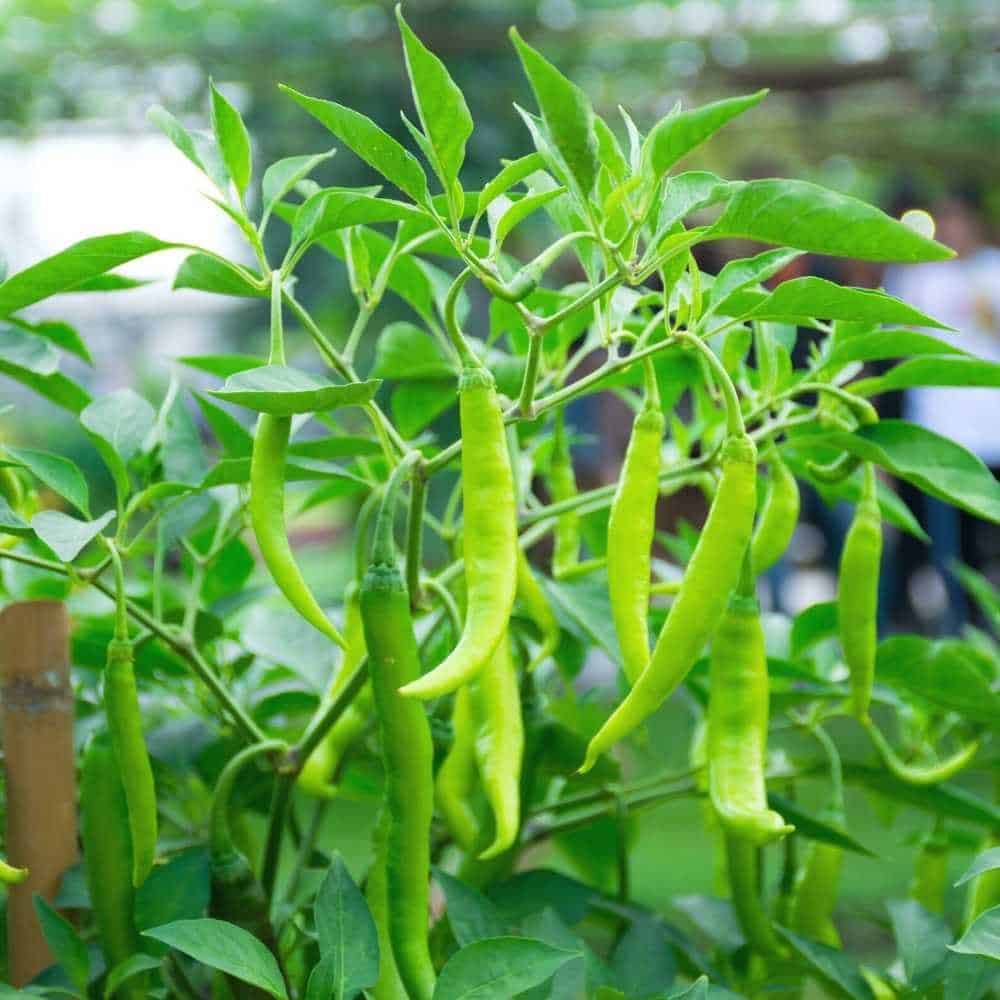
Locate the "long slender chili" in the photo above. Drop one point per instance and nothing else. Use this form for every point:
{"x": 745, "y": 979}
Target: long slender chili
{"x": 407, "y": 750}
{"x": 737, "y": 720}
{"x": 536, "y": 604}
{"x": 267, "y": 495}
{"x": 237, "y": 896}
{"x": 489, "y": 537}
{"x": 456, "y": 780}
{"x": 121, "y": 703}
{"x": 500, "y": 745}
{"x": 921, "y": 774}
{"x": 857, "y": 595}
{"x": 711, "y": 576}
{"x": 388, "y": 986}
{"x": 631, "y": 526}
{"x": 562, "y": 485}
{"x": 107, "y": 850}
{"x": 779, "y": 514}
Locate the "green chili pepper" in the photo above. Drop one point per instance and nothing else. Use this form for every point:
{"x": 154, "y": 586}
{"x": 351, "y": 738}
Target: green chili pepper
{"x": 267, "y": 496}
{"x": 737, "y": 721}
{"x": 711, "y": 575}
{"x": 857, "y": 595}
{"x": 388, "y": 986}
{"x": 779, "y": 514}
{"x": 815, "y": 893}
{"x": 921, "y": 774}
{"x": 536, "y": 604}
{"x": 121, "y": 702}
{"x": 631, "y": 525}
{"x": 324, "y": 762}
{"x": 930, "y": 872}
{"x": 456, "y": 778}
{"x": 11, "y": 874}
{"x": 107, "y": 852}
{"x": 742, "y": 867}
{"x": 562, "y": 485}
{"x": 407, "y": 750}
{"x": 489, "y": 537}
{"x": 500, "y": 745}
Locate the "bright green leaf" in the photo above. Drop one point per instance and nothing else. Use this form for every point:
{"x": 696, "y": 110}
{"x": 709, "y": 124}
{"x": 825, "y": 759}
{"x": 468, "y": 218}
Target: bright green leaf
{"x": 233, "y": 139}
{"x": 285, "y": 391}
{"x": 58, "y": 473}
{"x": 65, "y": 535}
{"x": 982, "y": 937}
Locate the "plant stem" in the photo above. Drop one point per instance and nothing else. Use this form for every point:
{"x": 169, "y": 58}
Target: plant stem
{"x": 415, "y": 534}
{"x": 526, "y": 401}
{"x": 280, "y": 799}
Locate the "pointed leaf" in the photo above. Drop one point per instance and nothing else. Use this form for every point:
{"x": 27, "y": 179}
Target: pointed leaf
{"x": 205, "y": 273}
{"x": 65, "y": 535}
{"x": 285, "y": 391}
{"x": 281, "y": 176}
{"x": 982, "y": 937}
{"x": 375, "y": 146}
{"x": 134, "y": 965}
{"x": 674, "y": 136}
{"x": 833, "y": 968}
{"x": 27, "y": 351}
{"x": 512, "y": 173}
{"x": 953, "y": 370}
{"x": 58, "y": 473}
{"x": 233, "y": 139}
{"x": 61, "y": 334}
{"x": 225, "y": 947}
{"x": 63, "y": 271}
{"x": 988, "y": 861}
{"x": 566, "y": 111}
{"x": 198, "y": 148}
{"x": 884, "y": 344}
{"x": 471, "y": 916}
{"x": 922, "y": 938}
{"x": 499, "y": 968}
{"x": 123, "y": 419}
{"x": 738, "y": 274}
{"x": 11, "y": 523}
{"x": 406, "y": 352}
{"x": 809, "y": 217}
{"x": 443, "y": 112}
{"x": 65, "y": 944}
{"x": 518, "y": 212}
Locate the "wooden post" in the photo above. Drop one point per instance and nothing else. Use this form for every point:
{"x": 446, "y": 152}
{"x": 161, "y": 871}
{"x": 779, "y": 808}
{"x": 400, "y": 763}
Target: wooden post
{"x": 41, "y": 776}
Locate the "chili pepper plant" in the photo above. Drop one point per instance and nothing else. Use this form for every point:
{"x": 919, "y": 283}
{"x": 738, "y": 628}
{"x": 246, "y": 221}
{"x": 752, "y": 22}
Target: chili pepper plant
{"x": 380, "y": 772}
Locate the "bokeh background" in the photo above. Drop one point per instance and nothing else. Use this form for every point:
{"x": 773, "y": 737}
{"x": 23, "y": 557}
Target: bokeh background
{"x": 896, "y": 101}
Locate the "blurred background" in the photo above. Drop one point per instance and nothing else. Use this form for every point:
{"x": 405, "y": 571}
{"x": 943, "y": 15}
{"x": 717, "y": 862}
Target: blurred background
{"x": 895, "y": 101}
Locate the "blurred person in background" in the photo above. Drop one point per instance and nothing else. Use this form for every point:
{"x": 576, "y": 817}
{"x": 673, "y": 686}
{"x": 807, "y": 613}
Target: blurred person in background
{"x": 964, "y": 293}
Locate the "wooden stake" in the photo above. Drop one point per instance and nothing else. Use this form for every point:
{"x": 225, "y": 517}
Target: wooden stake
{"x": 41, "y": 775}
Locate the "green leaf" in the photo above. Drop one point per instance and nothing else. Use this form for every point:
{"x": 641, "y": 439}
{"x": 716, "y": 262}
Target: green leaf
{"x": 339, "y": 208}
{"x": 817, "y": 297}
{"x": 517, "y": 212}
{"x": 63, "y": 271}
{"x": 811, "y": 826}
{"x": 225, "y": 947}
{"x": 348, "y": 940}
{"x": 61, "y": 334}
{"x": 198, "y": 148}
{"x": 236, "y": 471}
{"x": 235, "y": 439}
{"x": 134, "y": 965}
{"x": 181, "y": 454}
{"x": 405, "y": 352}
{"x": 56, "y": 388}
{"x": 66, "y": 946}
{"x": 567, "y": 113}
{"x": 179, "y": 889}
{"x": 809, "y": 217}
{"x": 119, "y": 424}
{"x": 284, "y": 391}
{"x": 205, "y": 273}
{"x": 65, "y": 535}
{"x": 922, "y": 939}
{"x": 471, "y": 916}
{"x": 816, "y": 623}
{"x": 689, "y": 192}
{"x": 443, "y": 112}
{"x": 281, "y": 176}
{"x": 416, "y": 404}
{"x": 541, "y": 888}
{"x": 233, "y": 139}
{"x": 948, "y": 673}
{"x": 376, "y": 147}
{"x": 954, "y": 370}
{"x": 834, "y": 968}
{"x": 499, "y": 968}
{"x": 982, "y": 937}
{"x": 10, "y": 522}
{"x": 643, "y": 962}
{"x": 885, "y": 344}
{"x": 988, "y": 861}
{"x": 58, "y": 473}
{"x": 674, "y": 136}
{"x": 512, "y": 173}
{"x": 738, "y": 274}
{"x": 339, "y": 446}
{"x": 934, "y": 464}
{"x": 28, "y": 351}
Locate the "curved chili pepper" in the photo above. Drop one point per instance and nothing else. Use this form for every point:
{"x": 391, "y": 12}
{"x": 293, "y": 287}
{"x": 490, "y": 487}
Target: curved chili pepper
{"x": 267, "y": 496}
{"x": 737, "y": 721}
{"x": 489, "y": 537}
{"x": 121, "y": 703}
{"x": 107, "y": 851}
{"x": 631, "y": 526}
{"x": 388, "y": 986}
{"x": 500, "y": 745}
{"x": 742, "y": 866}
{"x": 815, "y": 894}
{"x": 536, "y": 604}
{"x": 921, "y": 774}
{"x": 321, "y": 768}
{"x": 237, "y": 895}
{"x": 456, "y": 777}
{"x": 711, "y": 575}
{"x": 407, "y": 751}
{"x": 779, "y": 515}
{"x": 857, "y": 595}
